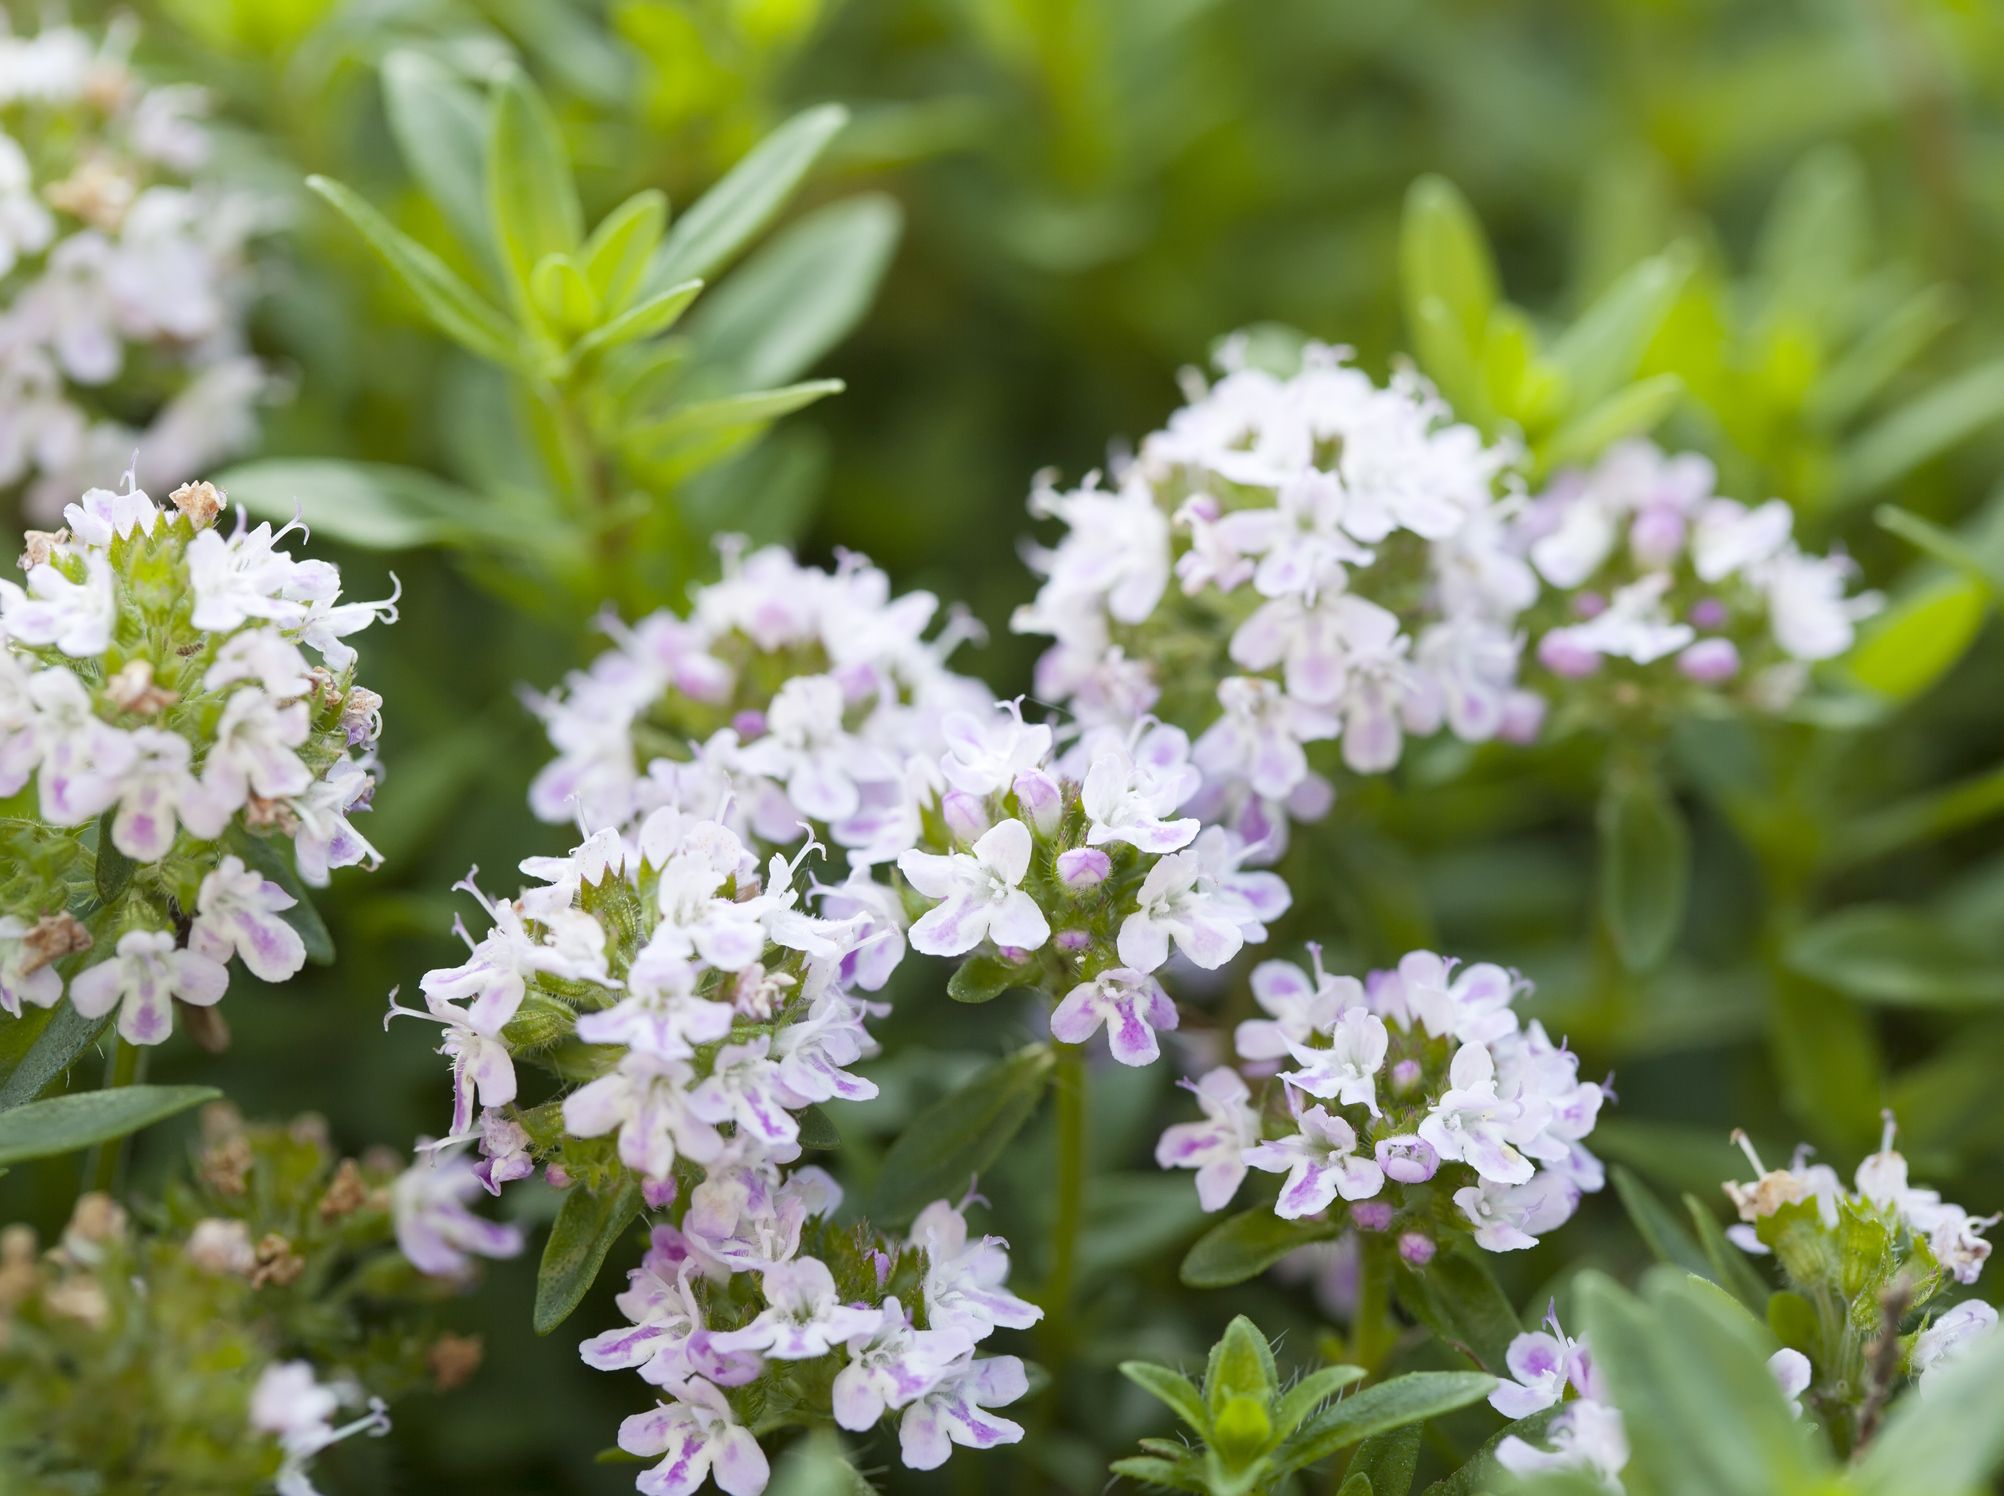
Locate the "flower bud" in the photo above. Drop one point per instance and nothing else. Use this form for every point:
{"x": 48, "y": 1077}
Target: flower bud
{"x": 557, "y": 1177}
{"x": 1371, "y": 1215}
{"x": 966, "y": 817}
{"x": 1041, "y": 799}
{"x": 657, "y": 1193}
{"x": 749, "y": 724}
{"x": 1589, "y": 605}
{"x": 1523, "y": 718}
{"x": 1406, "y": 1076}
{"x": 1407, "y": 1158}
{"x": 1707, "y": 613}
{"x": 1082, "y": 868}
{"x": 1071, "y": 942}
{"x": 1709, "y": 661}
{"x": 1657, "y": 537}
{"x": 1562, "y": 654}
{"x": 1416, "y": 1248}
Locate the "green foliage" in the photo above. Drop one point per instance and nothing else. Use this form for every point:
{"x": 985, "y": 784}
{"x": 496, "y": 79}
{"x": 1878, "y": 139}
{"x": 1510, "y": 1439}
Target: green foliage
{"x": 65, "y": 1124}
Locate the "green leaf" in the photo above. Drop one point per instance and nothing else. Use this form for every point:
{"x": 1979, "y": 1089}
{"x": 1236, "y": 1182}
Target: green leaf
{"x": 1386, "y": 1462}
{"x": 64, "y": 1124}
{"x": 1896, "y": 957}
{"x": 1645, "y": 866}
{"x": 440, "y": 125}
{"x": 532, "y": 201}
{"x": 1247, "y": 1244}
{"x": 1443, "y": 255}
{"x": 800, "y": 295}
{"x": 726, "y": 217}
{"x": 1311, "y": 1391}
{"x": 1241, "y": 1364}
{"x": 1602, "y": 348}
{"x": 1923, "y": 428}
{"x": 816, "y": 1131}
{"x": 1355, "y": 1485}
{"x": 369, "y": 504}
{"x": 1947, "y": 1439}
{"x": 1888, "y": 346}
{"x": 1459, "y": 1299}
{"x": 114, "y": 869}
{"x": 586, "y": 1228}
{"x": 1921, "y": 637}
{"x": 454, "y": 307}
{"x": 982, "y": 978}
{"x": 1449, "y": 362}
{"x": 1657, "y": 1225}
{"x": 645, "y": 318}
{"x": 262, "y": 856}
{"x": 59, "y": 1035}
{"x": 562, "y": 294}
{"x": 1479, "y": 1474}
{"x": 615, "y": 257}
{"x": 955, "y": 1139}
{"x": 1413, "y": 1398}
{"x": 1729, "y": 1266}
{"x": 1630, "y": 411}
{"x": 704, "y": 432}
{"x": 1170, "y": 1387}
{"x": 815, "y": 1465}
{"x": 1945, "y": 546}
{"x": 1153, "y": 1471}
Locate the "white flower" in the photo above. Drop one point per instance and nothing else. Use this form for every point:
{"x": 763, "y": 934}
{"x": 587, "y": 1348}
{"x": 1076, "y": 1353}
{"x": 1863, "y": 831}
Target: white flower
{"x": 964, "y": 1278}
{"x": 1259, "y": 737}
{"x": 26, "y": 973}
{"x": 803, "y": 1317}
{"x": 143, "y": 980}
{"x": 1949, "y": 1335}
{"x": 1470, "y": 1122}
{"x": 238, "y": 911}
{"x": 1510, "y": 1217}
{"x": 807, "y": 748}
{"x": 1127, "y": 793}
{"x": 1215, "y": 1147}
{"x": 647, "y": 1100}
{"x": 1297, "y": 1007}
{"x": 82, "y": 758}
{"x": 954, "y": 1410}
{"x": 1792, "y": 1374}
{"x": 1179, "y": 901}
{"x": 75, "y": 617}
{"x": 1587, "y": 1436}
{"x": 1321, "y": 1163}
{"x": 1131, "y": 1004}
{"x": 1347, "y": 1071}
{"x": 155, "y": 794}
{"x": 435, "y": 1229}
{"x": 701, "y": 1439}
{"x": 1544, "y": 1364}
{"x": 980, "y": 894}
{"x": 890, "y": 1366}
{"x": 253, "y": 751}
{"x": 291, "y": 1405}
{"x": 985, "y": 752}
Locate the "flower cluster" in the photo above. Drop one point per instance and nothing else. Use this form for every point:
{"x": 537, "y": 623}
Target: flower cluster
{"x": 271, "y": 1256}
{"x": 156, "y": 692}
{"x": 1550, "y": 1368}
{"x": 1417, "y": 1096}
{"x": 1075, "y": 873}
{"x": 1290, "y": 561}
{"x": 1660, "y": 591}
{"x": 787, "y": 694}
{"x": 705, "y": 1014}
{"x": 1868, "y": 1259}
{"x": 122, "y": 275}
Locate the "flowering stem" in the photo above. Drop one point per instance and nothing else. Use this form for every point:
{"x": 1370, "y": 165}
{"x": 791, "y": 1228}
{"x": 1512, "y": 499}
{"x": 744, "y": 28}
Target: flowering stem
{"x": 1070, "y": 1083}
{"x": 1373, "y": 1330}
{"x": 124, "y": 1067}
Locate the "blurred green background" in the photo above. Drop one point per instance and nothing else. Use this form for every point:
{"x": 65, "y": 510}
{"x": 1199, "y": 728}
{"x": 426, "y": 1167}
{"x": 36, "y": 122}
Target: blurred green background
{"x": 1091, "y": 192}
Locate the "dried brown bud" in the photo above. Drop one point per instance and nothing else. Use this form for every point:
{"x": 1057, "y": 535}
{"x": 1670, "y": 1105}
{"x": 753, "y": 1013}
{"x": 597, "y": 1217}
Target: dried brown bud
{"x": 201, "y": 502}
{"x": 131, "y": 689}
{"x": 18, "y": 1275}
{"x": 277, "y": 1263}
{"x": 347, "y": 1193}
{"x": 79, "y": 1297}
{"x": 382, "y": 1160}
{"x": 39, "y": 546}
{"x": 309, "y": 1128}
{"x": 53, "y": 937}
{"x": 453, "y": 1360}
{"x": 96, "y": 1220}
{"x": 226, "y": 1166}
{"x": 222, "y": 1247}
{"x": 221, "y": 1121}
{"x": 260, "y": 812}
{"x": 96, "y": 192}
{"x": 206, "y": 1026}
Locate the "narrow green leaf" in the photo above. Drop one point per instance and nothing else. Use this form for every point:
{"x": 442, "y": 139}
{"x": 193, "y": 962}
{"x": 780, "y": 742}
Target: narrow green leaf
{"x": 1888, "y": 346}
{"x": 1356, "y": 1485}
{"x": 1311, "y": 1391}
{"x": 1154, "y": 1471}
{"x": 1645, "y": 867}
{"x": 1658, "y": 1227}
{"x": 816, "y": 1131}
{"x": 1444, "y": 355}
{"x": 532, "y": 201}
{"x": 1923, "y": 428}
{"x": 1630, "y": 411}
{"x": 1944, "y": 545}
{"x": 114, "y": 869}
{"x": 655, "y": 314}
{"x": 65, "y": 1124}
{"x": 372, "y": 505}
{"x": 1247, "y": 1244}
{"x": 615, "y": 256}
{"x": 1170, "y": 1387}
{"x": 1458, "y": 1298}
{"x": 732, "y": 413}
{"x": 726, "y": 217}
{"x": 1921, "y": 637}
{"x": 1241, "y": 1364}
{"x": 955, "y": 1139}
{"x": 1479, "y": 1474}
{"x": 816, "y": 1465}
{"x": 60, "y": 1035}
{"x": 1444, "y": 255}
{"x": 586, "y": 1228}
{"x": 261, "y": 856}
{"x": 454, "y": 307}
{"x": 1602, "y": 348}
{"x": 981, "y": 979}
{"x": 1413, "y": 1398}
{"x": 1896, "y": 957}
{"x": 1386, "y": 1462}
{"x": 440, "y": 125}
{"x": 1729, "y": 1266}
{"x": 562, "y": 294}
{"x": 800, "y": 295}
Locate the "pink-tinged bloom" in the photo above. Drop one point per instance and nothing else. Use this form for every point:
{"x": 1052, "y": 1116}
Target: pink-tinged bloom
{"x": 700, "y": 1439}
{"x": 155, "y": 794}
{"x": 1544, "y": 1363}
{"x": 814, "y": 1051}
{"x": 1083, "y": 867}
{"x": 1297, "y": 1005}
{"x": 647, "y": 1100}
{"x": 1406, "y": 1158}
{"x": 985, "y": 754}
{"x": 1216, "y": 1146}
{"x": 238, "y": 912}
{"x": 83, "y": 759}
{"x": 1320, "y": 1162}
{"x": 1471, "y": 1123}
{"x": 891, "y": 1366}
{"x": 980, "y": 895}
{"x": 743, "y": 1088}
{"x": 1710, "y": 661}
{"x": 665, "y": 1338}
{"x": 435, "y": 1230}
{"x": 803, "y": 1318}
{"x": 504, "y": 1153}
{"x": 1129, "y": 792}
{"x": 1130, "y": 1003}
{"x": 955, "y": 1411}
{"x": 25, "y": 975}
{"x": 1260, "y": 736}
{"x": 964, "y": 1278}
{"x": 289, "y": 1404}
{"x": 253, "y": 752}
{"x": 1443, "y": 997}
{"x": 1510, "y": 1217}
{"x": 143, "y": 980}
{"x": 1347, "y": 1071}
{"x": 879, "y": 940}
{"x": 326, "y": 838}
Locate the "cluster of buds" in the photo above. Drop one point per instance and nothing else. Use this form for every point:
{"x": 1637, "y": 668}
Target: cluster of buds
{"x": 160, "y": 727}
{"x": 1074, "y": 873}
{"x": 1419, "y": 1099}
{"x": 1290, "y": 561}
{"x": 122, "y": 276}
{"x": 789, "y": 693}
{"x": 1871, "y": 1262}
{"x": 271, "y": 1257}
{"x": 703, "y": 1014}
{"x": 1662, "y": 593}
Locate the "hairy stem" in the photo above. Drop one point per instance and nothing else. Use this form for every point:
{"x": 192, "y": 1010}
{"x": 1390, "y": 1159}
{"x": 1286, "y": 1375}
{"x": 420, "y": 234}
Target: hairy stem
{"x": 1070, "y": 1085}
{"x": 1373, "y": 1329}
{"x": 124, "y": 1066}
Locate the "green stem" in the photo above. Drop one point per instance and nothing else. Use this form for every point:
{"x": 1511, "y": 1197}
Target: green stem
{"x": 1070, "y": 1084}
{"x": 125, "y": 1065}
{"x": 1373, "y": 1330}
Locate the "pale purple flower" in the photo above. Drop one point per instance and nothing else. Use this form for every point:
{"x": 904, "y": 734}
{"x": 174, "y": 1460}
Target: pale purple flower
{"x": 1948, "y": 1336}
{"x": 1587, "y": 1435}
{"x": 1178, "y": 901}
{"x": 803, "y": 1317}
{"x": 1406, "y": 1158}
{"x": 979, "y": 893}
{"x": 1321, "y": 1163}
{"x": 1130, "y": 791}
{"x": 326, "y": 839}
{"x": 155, "y": 794}
{"x": 1792, "y": 1373}
{"x": 647, "y": 1099}
{"x": 1297, "y": 1005}
{"x": 39, "y": 985}
{"x": 505, "y": 1155}
{"x": 1347, "y": 1071}
{"x": 1259, "y": 738}
{"x": 1545, "y": 1363}
{"x": 83, "y": 759}
{"x": 1083, "y": 867}
{"x": 253, "y": 751}
{"x": 890, "y": 1366}
{"x": 743, "y": 1088}
{"x": 1130, "y": 1003}
{"x": 964, "y": 1278}
{"x": 1471, "y": 1123}
{"x": 813, "y": 1052}
{"x": 701, "y": 1440}
{"x": 435, "y": 1229}
{"x": 1510, "y": 1217}
{"x": 239, "y": 912}
{"x": 143, "y": 980}
{"x": 74, "y": 617}
{"x": 985, "y": 754}
{"x": 879, "y": 939}
{"x": 954, "y": 1410}
{"x": 1216, "y": 1146}
{"x": 807, "y": 748}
